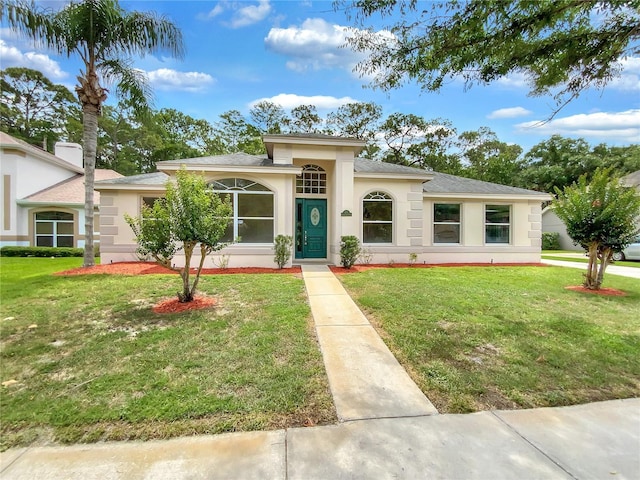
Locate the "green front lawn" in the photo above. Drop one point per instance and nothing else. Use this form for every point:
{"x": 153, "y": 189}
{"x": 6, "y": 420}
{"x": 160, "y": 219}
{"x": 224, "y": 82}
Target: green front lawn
{"x": 93, "y": 362}
{"x": 478, "y": 338}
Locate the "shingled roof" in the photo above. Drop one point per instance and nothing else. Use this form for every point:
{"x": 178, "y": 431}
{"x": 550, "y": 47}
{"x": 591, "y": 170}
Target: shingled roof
{"x": 363, "y": 165}
{"x": 445, "y": 183}
{"x": 71, "y": 191}
{"x": 239, "y": 159}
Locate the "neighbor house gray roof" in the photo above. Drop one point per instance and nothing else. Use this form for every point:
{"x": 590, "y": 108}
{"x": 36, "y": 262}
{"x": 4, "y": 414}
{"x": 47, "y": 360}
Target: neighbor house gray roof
{"x": 363, "y": 165}
{"x": 156, "y": 178}
{"x": 445, "y": 183}
{"x": 239, "y": 159}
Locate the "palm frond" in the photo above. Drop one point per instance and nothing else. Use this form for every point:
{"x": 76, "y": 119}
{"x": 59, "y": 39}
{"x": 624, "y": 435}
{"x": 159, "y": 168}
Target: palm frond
{"x": 131, "y": 83}
{"x": 34, "y": 22}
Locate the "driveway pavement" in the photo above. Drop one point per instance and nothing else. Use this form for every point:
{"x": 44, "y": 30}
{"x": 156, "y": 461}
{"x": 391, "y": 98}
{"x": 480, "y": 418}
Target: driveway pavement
{"x": 388, "y": 429}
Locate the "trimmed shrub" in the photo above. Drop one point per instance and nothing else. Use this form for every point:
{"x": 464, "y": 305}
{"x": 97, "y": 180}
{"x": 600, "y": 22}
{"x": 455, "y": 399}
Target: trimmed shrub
{"x": 282, "y": 247}
{"x": 349, "y": 250}
{"x": 10, "y": 251}
{"x": 550, "y": 241}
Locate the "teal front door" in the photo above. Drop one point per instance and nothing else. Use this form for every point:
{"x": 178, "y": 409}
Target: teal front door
{"x": 311, "y": 228}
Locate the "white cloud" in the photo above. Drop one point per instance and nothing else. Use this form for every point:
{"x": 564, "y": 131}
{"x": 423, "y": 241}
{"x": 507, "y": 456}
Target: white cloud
{"x": 242, "y": 16}
{"x": 168, "y": 79}
{"x": 315, "y": 45}
{"x": 251, "y": 14}
{"x": 511, "y": 112}
{"x": 629, "y": 79}
{"x": 515, "y": 80}
{"x": 13, "y": 57}
{"x": 606, "y": 126}
{"x": 290, "y": 100}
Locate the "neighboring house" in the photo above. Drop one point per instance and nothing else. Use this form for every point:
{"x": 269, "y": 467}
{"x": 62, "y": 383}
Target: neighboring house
{"x": 551, "y": 222}
{"x": 316, "y": 189}
{"x": 43, "y": 194}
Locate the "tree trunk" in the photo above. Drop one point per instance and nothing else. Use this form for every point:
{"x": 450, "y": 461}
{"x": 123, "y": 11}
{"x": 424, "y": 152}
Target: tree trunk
{"x": 186, "y": 295}
{"x": 90, "y": 142}
{"x": 203, "y": 256}
{"x": 607, "y": 255}
{"x": 590, "y": 277}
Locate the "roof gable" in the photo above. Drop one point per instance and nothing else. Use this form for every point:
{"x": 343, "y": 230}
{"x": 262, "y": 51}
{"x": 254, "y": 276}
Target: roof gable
{"x": 9, "y": 142}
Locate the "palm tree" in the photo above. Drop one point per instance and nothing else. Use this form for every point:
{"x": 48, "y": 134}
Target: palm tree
{"x": 106, "y": 38}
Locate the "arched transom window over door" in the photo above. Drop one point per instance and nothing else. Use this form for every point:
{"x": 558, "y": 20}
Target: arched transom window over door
{"x": 54, "y": 229}
{"x": 312, "y": 180}
{"x": 377, "y": 218}
{"x": 253, "y": 209}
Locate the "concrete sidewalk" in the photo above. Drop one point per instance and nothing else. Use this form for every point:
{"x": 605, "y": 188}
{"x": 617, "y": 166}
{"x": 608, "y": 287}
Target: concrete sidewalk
{"x": 594, "y": 441}
{"x": 630, "y": 272}
{"x": 388, "y": 429}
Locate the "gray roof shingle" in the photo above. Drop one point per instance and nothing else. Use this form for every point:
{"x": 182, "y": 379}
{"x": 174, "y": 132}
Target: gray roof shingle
{"x": 156, "y": 178}
{"x": 445, "y": 183}
{"x": 238, "y": 159}
{"x": 363, "y": 165}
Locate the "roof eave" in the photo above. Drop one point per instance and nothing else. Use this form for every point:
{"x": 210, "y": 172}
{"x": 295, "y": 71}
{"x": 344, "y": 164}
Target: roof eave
{"x": 492, "y": 196}
{"x": 44, "y": 156}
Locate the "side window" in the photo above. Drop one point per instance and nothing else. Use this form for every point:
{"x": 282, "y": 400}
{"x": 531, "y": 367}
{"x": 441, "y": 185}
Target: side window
{"x": 377, "y": 218}
{"x": 54, "y": 229}
{"x": 446, "y": 223}
{"x": 497, "y": 223}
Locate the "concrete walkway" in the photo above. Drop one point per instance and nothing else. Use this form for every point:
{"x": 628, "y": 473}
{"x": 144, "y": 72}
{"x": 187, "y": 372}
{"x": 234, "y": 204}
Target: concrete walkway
{"x": 630, "y": 272}
{"x": 365, "y": 378}
{"x": 388, "y": 429}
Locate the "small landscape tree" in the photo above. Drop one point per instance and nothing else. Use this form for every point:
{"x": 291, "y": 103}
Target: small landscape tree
{"x": 600, "y": 217}
{"x": 189, "y": 215}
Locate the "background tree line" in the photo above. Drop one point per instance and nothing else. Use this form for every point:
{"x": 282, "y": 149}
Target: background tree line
{"x": 40, "y": 112}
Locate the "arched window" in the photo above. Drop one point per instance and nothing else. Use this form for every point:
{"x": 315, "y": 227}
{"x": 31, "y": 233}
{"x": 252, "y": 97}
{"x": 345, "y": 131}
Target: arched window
{"x": 54, "y": 229}
{"x": 252, "y": 210}
{"x": 377, "y": 218}
{"x": 312, "y": 180}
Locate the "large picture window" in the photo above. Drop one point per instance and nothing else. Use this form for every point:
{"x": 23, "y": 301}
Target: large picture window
{"x": 446, "y": 223}
{"x": 253, "y": 208}
{"x": 54, "y": 229}
{"x": 497, "y": 223}
{"x": 377, "y": 218}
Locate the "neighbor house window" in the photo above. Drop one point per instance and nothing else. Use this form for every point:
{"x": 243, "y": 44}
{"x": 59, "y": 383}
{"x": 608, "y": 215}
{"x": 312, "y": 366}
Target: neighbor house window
{"x": 312, "y": 180}
{"x": 497, "y": 223}
{"x": 446, "y": 223}
{"x": 253, "y": 208}
{"x": 54, "y": 229}
{"x": 377, "y": 218}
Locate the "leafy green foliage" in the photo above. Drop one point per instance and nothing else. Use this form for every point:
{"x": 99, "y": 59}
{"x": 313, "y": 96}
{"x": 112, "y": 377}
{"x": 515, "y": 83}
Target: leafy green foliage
{"x": 562, "y": 45}
{"x": 550, "y": 241}
{"x": 10, "y": 251}
{"x": 349, "y": 250}
{"x": 282, "y": 247}
{"x": 600, "y": 217}
{"x": 189, "y": 215}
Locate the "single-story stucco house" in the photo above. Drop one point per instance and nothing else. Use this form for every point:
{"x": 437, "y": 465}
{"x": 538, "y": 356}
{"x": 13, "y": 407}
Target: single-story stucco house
{"x": 316, "y": 189}
{"x": 42, "y": 195}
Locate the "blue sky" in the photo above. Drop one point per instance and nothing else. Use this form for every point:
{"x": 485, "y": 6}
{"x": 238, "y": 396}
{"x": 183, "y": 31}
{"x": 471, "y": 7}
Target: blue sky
{"x": 291, "y": 52}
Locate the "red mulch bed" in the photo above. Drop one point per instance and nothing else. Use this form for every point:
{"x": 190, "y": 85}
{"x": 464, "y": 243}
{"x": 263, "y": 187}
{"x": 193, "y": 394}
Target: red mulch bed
{"x": 363, "y": 268}
{"x": 605, "y": 292}
{"x": 173, "y": 305}
{"x": 145, "y": 268}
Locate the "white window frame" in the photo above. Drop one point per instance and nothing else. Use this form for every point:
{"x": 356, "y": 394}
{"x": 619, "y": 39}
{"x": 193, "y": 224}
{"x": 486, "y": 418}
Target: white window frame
{"x": 54, "y": 229}
{"x": 501, "y": 224}
{"x": 237, "y": 190}
{"x": 459, "y": 223}
{"x": 312, "y": 180}
{"x": 378, "y": 196}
